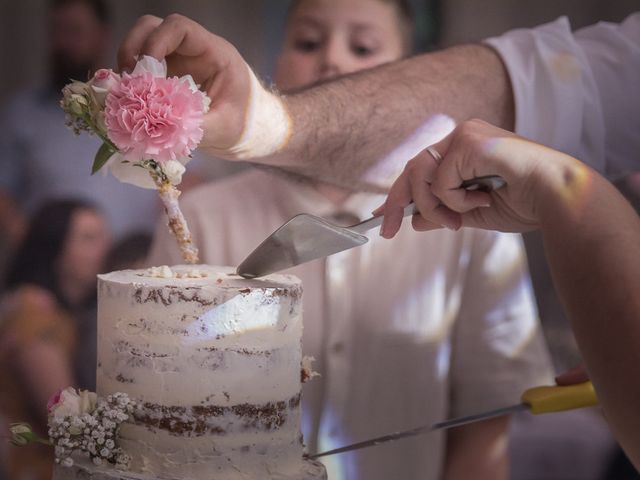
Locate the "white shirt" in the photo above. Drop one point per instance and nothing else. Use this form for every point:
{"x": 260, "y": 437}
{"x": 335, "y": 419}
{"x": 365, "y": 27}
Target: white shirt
{"x": 405, "y": 332}
{"x": 578, "y": 92}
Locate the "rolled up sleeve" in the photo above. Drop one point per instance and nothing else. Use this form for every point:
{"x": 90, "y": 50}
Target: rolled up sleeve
{"x": 578, "y": 91}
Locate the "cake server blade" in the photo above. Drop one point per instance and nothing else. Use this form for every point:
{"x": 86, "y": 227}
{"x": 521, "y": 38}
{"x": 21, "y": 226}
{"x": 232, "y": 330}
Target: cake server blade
{"x": 537, "y": 400}
{"x": 307, "y": 237}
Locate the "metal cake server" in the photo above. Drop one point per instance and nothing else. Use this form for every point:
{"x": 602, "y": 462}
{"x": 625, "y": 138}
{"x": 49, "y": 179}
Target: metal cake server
{"x": 537, "y": 400}
{"x": 307, "y": 237}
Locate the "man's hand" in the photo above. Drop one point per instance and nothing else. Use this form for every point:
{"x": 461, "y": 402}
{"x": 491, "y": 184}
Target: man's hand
{"x": 213, "y": 63}
{"x": 476, "y": 149}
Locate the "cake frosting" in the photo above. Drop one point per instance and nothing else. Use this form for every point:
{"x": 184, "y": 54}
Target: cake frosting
{"x": 214, "y": 363}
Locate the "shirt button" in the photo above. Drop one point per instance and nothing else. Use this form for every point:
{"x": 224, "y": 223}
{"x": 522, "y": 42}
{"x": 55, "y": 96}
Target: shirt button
{"x": 337, "y": 347}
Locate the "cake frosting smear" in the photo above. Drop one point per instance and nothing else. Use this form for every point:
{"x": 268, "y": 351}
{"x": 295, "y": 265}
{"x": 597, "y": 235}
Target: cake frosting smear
{"x": 214, "y": 362}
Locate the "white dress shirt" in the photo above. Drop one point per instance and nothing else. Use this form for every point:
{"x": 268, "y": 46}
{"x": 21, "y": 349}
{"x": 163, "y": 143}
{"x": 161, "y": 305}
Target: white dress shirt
{"x": 405, "y": 332}
{"x": 578, "y": 92}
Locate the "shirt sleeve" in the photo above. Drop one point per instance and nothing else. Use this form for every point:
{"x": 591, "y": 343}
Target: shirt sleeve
{"x": 498, "y": 350}
{"x": 578, "y": 92}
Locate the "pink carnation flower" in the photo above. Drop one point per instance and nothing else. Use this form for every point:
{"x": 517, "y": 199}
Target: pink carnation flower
{"x": 156, "y": 118}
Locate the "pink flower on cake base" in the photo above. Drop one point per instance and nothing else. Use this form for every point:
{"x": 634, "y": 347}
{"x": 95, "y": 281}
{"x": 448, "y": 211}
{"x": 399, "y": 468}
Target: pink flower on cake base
{"x": 70, "y": 403}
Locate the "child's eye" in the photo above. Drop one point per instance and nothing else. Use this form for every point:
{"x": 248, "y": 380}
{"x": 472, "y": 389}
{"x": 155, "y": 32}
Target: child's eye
{"x": 306, "y": 45}
{"x": 361, "y": 50}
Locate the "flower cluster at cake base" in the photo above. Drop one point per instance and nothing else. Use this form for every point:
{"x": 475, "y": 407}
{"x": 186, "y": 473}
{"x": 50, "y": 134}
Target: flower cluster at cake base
{"x": 82, "y": 424}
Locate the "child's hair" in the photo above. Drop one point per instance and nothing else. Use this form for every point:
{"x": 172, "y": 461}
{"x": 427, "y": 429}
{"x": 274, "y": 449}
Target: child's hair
{"x": 405, "y": 17}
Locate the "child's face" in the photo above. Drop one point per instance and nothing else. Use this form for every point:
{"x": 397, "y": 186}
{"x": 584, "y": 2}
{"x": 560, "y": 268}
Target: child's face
{"x": 326, "y": 38}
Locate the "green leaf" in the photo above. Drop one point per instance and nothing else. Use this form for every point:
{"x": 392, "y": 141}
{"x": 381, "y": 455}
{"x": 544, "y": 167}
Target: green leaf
{"x": 104, "y": 153}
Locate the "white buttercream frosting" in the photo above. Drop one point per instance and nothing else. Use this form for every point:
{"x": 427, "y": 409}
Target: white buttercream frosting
{"x": 214, "y": 361}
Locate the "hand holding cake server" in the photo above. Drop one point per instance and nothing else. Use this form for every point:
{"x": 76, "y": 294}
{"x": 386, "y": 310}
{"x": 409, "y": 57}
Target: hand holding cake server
{"x": 590, "y": 231}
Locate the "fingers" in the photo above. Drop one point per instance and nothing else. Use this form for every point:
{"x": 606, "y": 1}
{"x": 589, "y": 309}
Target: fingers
{"x": 160, "y": 38}
{"x": 176, "y": 34}
{"x": 420, "y": 224}
{"x": 414, "y": 185}
{"x": 578, "y": 374}
{"x": 132, "y": 45}
{"x": 456, "y": 198}
{"x": 398, "y": 198}
{"x": 420, "y": 170}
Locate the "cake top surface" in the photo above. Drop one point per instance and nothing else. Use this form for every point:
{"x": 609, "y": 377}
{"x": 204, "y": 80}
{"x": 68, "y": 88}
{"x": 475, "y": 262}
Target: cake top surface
{"x": 197, "y": 275}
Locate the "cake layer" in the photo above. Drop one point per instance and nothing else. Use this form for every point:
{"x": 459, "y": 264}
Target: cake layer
{"x": 213, "y": 361}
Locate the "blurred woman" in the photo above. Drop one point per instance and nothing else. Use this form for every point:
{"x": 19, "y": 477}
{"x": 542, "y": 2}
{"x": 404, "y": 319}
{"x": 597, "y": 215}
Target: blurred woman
{"x": 49, "y": 286}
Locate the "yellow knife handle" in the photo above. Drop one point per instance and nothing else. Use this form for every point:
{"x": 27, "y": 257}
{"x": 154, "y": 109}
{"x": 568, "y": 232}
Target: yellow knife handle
{"x": 560, "y": 398}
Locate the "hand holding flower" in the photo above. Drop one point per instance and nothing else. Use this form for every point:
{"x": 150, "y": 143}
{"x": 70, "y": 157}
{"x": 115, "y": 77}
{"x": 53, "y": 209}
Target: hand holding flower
{"x": 149, "y": 124}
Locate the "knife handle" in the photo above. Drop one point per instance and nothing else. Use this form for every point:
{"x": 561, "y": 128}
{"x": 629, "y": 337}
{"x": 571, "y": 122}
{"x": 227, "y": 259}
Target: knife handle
{"x": 559, "y": 398}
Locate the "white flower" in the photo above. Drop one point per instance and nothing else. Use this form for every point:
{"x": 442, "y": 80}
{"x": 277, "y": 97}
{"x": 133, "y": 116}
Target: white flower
{"x": 137, "y": 175}
{"x": 20, "y": 428}
{"x": 128, "y": 172}
{"x": 72, "y": 404}
{"x": 67, "y": 406}
{"x": 103, "y": 81}
{"x": 67, "y": 462}
{"x": 88, "y": 401}
{"x": 79, "y": 88}
{"x": 173, "y": 169}
{"x": 97, "y": 461}
{"x": 150, "y": 64}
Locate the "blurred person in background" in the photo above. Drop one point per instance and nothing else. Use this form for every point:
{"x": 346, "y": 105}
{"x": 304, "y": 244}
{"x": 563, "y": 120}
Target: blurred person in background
{"x": 40, "y": 158}
{"x": 50, "y": 287}
{"x": 129, "y": 253}
{"x": 443, "y": 328}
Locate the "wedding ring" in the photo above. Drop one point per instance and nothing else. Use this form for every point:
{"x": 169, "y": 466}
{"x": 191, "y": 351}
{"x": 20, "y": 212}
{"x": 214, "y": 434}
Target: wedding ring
{"x": 435, "y": 154}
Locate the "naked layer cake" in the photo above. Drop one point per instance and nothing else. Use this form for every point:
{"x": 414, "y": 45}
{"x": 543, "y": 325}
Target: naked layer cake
{"x": 213, "y": 361}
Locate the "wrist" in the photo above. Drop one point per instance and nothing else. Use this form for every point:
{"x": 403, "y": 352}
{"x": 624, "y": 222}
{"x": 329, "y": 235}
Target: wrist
{"x": 265, "y": 124}
{"x": 562, "y": 190}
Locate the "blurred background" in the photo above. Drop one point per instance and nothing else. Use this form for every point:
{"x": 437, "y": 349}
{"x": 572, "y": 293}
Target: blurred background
{"x": 255, "y": 26}
{"x": 573, "y": 446}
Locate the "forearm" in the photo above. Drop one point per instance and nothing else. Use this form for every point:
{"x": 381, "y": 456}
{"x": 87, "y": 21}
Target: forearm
{"x": 591, "y": 235}
{"x": 342, "y": 128}
{"x": 478, "y": 451}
